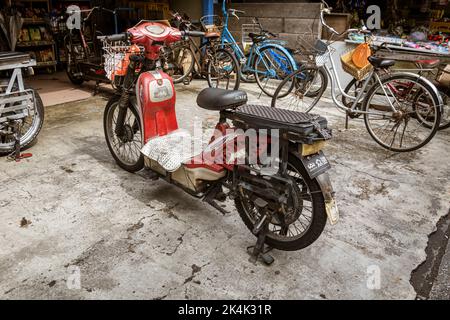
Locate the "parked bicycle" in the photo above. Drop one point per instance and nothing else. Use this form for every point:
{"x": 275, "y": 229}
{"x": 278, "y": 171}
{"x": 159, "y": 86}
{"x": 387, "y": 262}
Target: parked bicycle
{"x": 21, "y": 108}
{"x": 401, "y": 110}
{"x": 84, "y": 54}
{"x": 217, "y": 65}
{"x": 267, "y": 62}
{"x": 432, "y": 69}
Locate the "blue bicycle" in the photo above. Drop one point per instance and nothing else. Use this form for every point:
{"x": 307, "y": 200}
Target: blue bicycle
{"x": 267, "y": 62}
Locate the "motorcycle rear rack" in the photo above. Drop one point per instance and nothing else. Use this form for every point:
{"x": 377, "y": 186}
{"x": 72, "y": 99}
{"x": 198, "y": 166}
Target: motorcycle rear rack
{"x": 14, "y": 60}
{"x": 295, "y": 126}
{"x": 19, "y": 102}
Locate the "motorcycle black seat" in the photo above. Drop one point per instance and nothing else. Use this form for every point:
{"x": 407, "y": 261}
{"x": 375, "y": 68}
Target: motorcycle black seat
{"x": 220, "y": 99}
{"x": 265, "y": 117}
{"x": 379, "y": 62}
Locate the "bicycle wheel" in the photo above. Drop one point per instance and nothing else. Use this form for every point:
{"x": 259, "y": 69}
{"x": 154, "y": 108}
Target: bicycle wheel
{"x": 445, "y": 115}
{"x": 181, "y": 60}
{"x": 404, "y": 129}
{"x": 223, "y": 70}
{"x": 319, "y": 84}
{"x": 271, "y": 67}
{"x": 299, "y": 90}
{"x": 74, "y": 53}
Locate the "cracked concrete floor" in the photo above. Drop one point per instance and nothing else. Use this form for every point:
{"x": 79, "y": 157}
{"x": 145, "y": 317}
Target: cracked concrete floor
{"x": 130, "y": 237}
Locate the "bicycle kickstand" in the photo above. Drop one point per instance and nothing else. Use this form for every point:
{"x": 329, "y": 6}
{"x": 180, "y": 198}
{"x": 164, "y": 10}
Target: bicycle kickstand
{"x": 260, "y": 230}
{"x": 346, "y": 121}
{"x": 96, "y": 88}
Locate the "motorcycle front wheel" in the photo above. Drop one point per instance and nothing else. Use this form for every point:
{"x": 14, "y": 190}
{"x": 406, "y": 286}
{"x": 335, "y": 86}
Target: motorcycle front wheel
{"x": 297, "y": 225}
{"x": 126, "y": 149}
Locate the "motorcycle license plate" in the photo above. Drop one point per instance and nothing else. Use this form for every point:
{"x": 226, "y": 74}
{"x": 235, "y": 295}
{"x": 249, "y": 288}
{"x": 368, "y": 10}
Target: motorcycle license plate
{"x": 316, "y": 164}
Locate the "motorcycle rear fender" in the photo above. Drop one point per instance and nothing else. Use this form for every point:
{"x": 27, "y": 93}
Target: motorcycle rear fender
{"x": 328, "y": 194}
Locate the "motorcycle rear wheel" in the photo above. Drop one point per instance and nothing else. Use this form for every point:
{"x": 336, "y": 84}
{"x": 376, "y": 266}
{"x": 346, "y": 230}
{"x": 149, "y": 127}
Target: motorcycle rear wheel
{"x": 310, "y": 192}
{"x": 31, "y": 129}
{"x": 131, "y": 161}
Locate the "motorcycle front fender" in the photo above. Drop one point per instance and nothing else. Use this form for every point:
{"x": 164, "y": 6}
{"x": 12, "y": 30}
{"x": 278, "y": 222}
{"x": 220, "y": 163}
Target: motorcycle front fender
{"x": 135, "y": 104}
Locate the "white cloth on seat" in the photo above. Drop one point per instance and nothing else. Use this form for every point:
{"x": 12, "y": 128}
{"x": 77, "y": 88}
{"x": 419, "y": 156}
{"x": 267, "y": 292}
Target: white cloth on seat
{"x": 171, "y": 150}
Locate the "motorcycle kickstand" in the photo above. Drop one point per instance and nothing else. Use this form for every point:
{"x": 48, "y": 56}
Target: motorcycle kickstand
{"x": 210, "y": 198}
{"x": 259, "y": 250}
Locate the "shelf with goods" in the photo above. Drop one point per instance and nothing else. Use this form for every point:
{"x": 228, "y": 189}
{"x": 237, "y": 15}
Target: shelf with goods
{"x": 150, "y": 10}
{"x": 414, "y": 28}
{"x": 35, "y": 36}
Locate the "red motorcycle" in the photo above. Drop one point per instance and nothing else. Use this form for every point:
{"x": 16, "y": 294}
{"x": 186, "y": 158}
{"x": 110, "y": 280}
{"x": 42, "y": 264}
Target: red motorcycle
{"x": 269, "y": 161}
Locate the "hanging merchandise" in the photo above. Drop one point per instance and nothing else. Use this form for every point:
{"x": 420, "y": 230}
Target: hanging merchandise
{"x": 11, "y": 22}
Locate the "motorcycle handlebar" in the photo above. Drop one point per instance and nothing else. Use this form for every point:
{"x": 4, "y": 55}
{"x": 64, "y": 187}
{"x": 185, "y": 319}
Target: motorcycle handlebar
{"x": 115, "y": 37}
{"x": 190, "y": 33}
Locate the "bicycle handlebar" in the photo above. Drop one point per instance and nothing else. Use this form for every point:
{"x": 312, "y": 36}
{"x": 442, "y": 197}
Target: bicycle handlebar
{"x": 332, "y": 30}
{"x": 381, "y": 46}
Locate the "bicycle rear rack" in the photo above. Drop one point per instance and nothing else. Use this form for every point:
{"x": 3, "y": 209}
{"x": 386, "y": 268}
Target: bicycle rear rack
{"x": 15, "y": 100}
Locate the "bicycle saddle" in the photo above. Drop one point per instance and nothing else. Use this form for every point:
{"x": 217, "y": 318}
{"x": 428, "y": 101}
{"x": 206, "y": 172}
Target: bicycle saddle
{"x": 221, "y": 99}
{"x": 379, "y": 62}
{"x": 256, "y": 37}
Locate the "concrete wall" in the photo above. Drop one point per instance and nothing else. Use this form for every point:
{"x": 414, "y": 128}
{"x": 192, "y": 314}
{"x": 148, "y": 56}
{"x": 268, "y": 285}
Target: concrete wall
{"x": 289, "y": 20}
{"x": 193, "y": 8}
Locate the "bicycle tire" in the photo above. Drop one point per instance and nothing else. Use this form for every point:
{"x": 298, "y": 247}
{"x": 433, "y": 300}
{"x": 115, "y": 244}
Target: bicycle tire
{"x": 259, "y": 81}
{"x": 186, "y": 72}
{"x": 412, "y": 78}
{"x": 235, "y": 68}
{"x": 276, "y": 99}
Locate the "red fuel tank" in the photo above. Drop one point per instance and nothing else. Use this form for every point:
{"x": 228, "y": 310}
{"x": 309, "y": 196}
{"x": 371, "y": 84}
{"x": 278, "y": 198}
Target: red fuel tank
{"x": 156, "y": 98}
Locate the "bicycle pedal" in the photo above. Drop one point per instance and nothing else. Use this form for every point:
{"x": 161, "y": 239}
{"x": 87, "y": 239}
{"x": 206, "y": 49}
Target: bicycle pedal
{"x": 186, "y": 81}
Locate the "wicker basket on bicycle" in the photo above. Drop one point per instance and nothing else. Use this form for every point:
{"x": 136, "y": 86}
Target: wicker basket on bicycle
{"x": 349, "y": 67}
